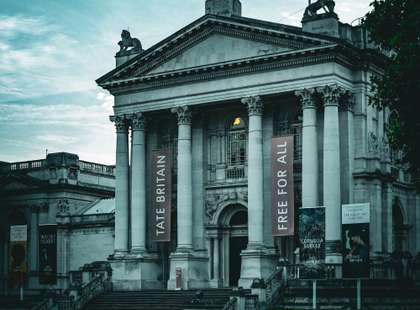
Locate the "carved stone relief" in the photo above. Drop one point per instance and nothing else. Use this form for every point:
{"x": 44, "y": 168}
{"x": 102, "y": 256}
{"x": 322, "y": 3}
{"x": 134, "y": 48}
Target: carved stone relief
{"x": 216, "y": 199}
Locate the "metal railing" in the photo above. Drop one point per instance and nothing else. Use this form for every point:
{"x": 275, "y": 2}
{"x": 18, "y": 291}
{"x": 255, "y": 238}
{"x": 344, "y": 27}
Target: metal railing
{"x": 231, "y": 304}
{"x": 43, "y": 305}
{"x": 84, "y": 294}
{"x": 275, "y": 282}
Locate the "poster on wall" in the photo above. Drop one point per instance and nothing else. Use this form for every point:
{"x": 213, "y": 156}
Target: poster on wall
{"x": 161, "y": 190}
{"x": 47, "y": 254}
{"x": 312, "y": 243}
{"x": 283, "y": 209}
{"x": 355, "y": 240}
{"x": 18, "y": 253}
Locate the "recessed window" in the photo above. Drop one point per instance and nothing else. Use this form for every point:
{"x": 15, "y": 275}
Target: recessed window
{"x": 236, "y": 148}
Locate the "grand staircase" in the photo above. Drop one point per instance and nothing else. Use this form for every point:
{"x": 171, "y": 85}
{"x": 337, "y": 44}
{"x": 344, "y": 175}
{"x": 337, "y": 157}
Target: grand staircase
{"x": 376, "y": 295}
{"x": 162, "y": 300}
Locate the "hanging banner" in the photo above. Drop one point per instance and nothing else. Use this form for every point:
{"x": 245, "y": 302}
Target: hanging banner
{"x": 161, "y": 189}
{"x": 355, "y": 238}
{"x": 47, "y": 254}
{"x": 312, "y": 243}
{"x": 18, "y": 253}
{"x": 282, "y": 202}
{"x": 18, "y": 245}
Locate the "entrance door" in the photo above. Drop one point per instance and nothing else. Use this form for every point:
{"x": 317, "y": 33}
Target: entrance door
{"x": 237, "y": 244}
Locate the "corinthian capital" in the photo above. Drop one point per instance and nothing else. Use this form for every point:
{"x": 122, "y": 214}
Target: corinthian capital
{"x": 184, "y": 115}
{"x": 138, "y": 121}
{"x": 254, "y": 104}
{"x": 332, "y": 94}
{"x": 306, "y": 97}
{"x": 349, "y": 101}
{"x": 120, "y": 123}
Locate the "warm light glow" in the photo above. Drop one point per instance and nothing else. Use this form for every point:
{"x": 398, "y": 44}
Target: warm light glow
{"x": 237, "y": 121}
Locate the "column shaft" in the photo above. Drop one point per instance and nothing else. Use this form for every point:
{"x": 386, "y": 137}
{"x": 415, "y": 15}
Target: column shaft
{"x": 121, "y": 186}
{"x": 138, "y": 185}
{"x": 255, "y": 173}
{"x": 332, "y": 187}
{"x": 184, "y": 195}
{"x": 309, "y": 150}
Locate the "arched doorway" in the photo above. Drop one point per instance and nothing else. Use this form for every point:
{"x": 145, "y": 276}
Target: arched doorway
{"x": 233, "y": 231}
{"x": 238, "y": 243}
{"x": 400, "y": 230}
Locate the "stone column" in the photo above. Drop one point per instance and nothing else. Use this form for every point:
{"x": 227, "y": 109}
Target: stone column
{"x": 309, "y": 149}
{"x": 121, "y": 186}
{"x": 347, "y": 147}
{"x": 138, "y": 185}
{"x": 332, "y": 190}
{"x": 258, "y": 262}
{"x": 184, "y": 195}
{"x": 255, "y": 173}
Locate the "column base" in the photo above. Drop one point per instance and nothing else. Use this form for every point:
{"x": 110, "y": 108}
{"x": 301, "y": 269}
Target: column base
{"x": 333, "y": 259}
{"x": 215, "y": 283}
{"x": 256, "y": 264}
{"x": 133, "y": 272}
{"x": 194, "y": 270}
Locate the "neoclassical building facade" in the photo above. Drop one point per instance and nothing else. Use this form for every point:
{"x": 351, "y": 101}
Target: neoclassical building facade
{"x": 213, "y": 95}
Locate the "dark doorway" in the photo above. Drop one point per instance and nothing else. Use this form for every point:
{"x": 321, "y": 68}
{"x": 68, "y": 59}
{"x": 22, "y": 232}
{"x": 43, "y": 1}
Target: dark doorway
{"x": 237, "y": 244}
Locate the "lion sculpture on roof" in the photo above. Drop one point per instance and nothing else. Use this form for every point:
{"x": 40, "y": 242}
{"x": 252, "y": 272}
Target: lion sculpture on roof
{"x": 129, "y": 45}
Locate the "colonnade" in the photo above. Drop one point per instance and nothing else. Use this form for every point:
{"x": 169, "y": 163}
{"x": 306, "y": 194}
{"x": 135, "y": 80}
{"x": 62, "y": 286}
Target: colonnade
{"x": 328, "y": 97}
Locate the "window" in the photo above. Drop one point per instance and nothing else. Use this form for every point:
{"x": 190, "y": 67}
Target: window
{"x": 236, "y": 148}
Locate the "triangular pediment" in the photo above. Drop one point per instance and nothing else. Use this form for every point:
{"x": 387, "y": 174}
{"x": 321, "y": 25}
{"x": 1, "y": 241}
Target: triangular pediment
{"x": 213, "y": 40}
{"x": 218, "y": 48}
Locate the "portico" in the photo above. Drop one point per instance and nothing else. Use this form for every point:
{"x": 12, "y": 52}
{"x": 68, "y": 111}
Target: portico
{"x": 218, "y": 116}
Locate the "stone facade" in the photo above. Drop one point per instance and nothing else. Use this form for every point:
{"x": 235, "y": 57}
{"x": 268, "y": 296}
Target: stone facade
{"x": 57, "y": 190}
{"x": 215, "y": 94}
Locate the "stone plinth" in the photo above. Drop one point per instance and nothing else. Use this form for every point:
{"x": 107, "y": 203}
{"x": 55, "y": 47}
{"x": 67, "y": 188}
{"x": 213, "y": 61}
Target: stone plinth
{"x": 194, "y": 270}
{"x": 135, "y": 272}
{"x": 256, "y": 264}
{"x": 326, "y": 24}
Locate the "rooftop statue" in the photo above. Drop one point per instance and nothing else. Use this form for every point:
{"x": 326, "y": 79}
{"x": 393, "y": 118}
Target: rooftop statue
{"x": 126, "y": 42}
{"x": 313, "y": 8}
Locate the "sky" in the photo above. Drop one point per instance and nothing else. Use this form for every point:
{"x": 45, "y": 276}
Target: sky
{"x": 51, "y": 52}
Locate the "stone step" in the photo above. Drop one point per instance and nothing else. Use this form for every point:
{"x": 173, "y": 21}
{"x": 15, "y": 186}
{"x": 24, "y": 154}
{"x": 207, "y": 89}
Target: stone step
{"x": 162, "y": 300}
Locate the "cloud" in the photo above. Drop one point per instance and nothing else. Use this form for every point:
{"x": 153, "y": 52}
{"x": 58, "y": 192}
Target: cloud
{"x": 57, "y": 139}
{"x": 38, "y": 58}
{"x": 48, "y": 64}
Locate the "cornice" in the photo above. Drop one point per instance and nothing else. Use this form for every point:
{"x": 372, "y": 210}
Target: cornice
{"x": 277, "y": 61}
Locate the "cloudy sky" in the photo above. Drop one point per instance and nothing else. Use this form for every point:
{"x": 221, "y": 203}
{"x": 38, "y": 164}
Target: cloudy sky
{"x": 51, "y": 51}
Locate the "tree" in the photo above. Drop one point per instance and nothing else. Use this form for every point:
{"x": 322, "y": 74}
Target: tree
{"x": 394, "y": 25}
